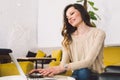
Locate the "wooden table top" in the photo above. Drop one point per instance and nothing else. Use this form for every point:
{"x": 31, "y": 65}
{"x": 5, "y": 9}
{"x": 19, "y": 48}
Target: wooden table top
{"x": 34, "y": 58}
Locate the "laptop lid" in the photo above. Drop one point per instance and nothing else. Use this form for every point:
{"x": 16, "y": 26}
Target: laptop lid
{"x": 18, "y": 66}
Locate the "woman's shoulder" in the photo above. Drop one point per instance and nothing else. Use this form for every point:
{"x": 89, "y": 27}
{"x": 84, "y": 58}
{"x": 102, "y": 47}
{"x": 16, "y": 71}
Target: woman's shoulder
{"x": 98, "y": 30}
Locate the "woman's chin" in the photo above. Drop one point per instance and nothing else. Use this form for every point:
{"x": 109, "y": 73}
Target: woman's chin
{"x": 73, "y": 25}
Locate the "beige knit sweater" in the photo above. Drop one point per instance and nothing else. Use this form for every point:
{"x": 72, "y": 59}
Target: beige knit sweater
{"x": 86, "y": 51}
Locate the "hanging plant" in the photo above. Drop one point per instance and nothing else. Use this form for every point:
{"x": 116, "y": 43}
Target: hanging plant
{"x": 93, "y": 16}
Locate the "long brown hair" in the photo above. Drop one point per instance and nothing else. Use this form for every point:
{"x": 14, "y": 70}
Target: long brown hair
{"x": 68, "y": 29}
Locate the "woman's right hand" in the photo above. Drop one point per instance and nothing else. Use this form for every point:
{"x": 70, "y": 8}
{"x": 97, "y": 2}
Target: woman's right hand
{"x": 44, "y": 72}
{"x": 33, "y": 71}
{"x": 51, "y": 71}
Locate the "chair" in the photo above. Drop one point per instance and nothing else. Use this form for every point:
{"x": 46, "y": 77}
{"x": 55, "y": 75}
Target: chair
{"x": 58, "y": 55}
{"x": 7, "y": 67}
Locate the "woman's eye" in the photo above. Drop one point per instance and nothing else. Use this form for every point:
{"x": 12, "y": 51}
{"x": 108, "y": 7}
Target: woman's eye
{"x": 72, "y": 13}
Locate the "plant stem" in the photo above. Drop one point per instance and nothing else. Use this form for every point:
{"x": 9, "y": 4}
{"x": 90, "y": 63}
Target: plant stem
{"x": 85, "y": 4}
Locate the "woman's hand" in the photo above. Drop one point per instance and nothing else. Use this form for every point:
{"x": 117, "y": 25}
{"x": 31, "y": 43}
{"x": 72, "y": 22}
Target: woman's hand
{"x": 33, "y": 71}
{"x": 51, "y": 71}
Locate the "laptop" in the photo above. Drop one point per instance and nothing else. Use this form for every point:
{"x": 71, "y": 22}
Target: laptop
{"x": 22, "y": 76}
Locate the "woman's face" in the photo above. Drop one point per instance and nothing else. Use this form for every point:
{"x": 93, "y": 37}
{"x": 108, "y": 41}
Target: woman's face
{"x": 73, "y": 16}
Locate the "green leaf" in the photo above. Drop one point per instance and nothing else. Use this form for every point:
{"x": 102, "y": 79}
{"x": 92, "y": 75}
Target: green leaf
{"x": 80, "y": 0}
{"x": 92, "y": 15}
{"x": 95, "y": 8}
{"x": 91, "y": 3}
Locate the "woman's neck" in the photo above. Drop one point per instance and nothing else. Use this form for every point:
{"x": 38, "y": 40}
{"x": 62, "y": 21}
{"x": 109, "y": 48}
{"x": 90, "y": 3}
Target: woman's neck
{"x": 81, "y": 29}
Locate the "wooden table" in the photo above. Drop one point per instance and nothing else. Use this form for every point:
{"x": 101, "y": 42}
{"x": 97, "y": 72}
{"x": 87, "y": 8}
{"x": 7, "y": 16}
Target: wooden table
{"x": 34, "y": 59}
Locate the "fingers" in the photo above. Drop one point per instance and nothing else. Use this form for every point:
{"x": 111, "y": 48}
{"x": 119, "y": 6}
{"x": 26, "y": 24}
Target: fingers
{"x": 45, "y": 72}
{"x": 32, "y": 71}
{"x": 51, "y": 75}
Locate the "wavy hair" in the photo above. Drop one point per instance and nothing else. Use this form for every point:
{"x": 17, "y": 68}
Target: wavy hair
{"x": 68, "y": 29}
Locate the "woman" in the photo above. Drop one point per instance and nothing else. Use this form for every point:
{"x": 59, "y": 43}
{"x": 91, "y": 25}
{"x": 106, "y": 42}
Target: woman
{"x": 82, "y": 45}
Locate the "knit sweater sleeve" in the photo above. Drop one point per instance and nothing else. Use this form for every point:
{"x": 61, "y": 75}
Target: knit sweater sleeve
{"x": 92, "y": 54}
{"x": 65, "y": 57}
